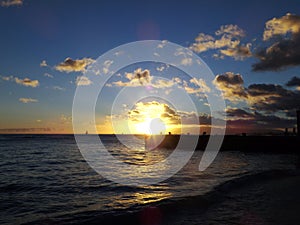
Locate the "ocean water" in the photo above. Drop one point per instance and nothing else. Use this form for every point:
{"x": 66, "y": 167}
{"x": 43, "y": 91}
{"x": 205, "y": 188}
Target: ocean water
{"x": 45, "y": 178}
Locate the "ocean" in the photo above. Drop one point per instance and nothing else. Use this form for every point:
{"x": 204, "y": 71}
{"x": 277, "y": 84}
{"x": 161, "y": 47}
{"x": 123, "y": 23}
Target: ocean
{"x": 44, "y": 179}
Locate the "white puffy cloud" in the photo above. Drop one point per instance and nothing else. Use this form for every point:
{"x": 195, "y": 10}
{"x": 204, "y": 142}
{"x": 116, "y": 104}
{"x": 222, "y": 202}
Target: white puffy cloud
{"x": 83, "y": 81}
{"x": 27, "y": 82}
{"x": 43, "y": 64}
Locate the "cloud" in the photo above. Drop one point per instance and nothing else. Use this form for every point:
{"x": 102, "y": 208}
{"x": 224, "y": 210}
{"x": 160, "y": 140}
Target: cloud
{"x": 244, "y": 120}
{"x": 58, "y": 88}
{"x": 294, "y": 82}
{"x": 272, "y": 97}
{"x": 227, "y": 41}
{"x": 143, "y": 78}
{"x": 43, "y": 64}
{"x": 77, "y": 65}
{"x": 106, "y": 66}
{"x": 232, "y": 86}
{"x": 284, "y": 50}
{"x": 83, "y": 81}
{"x": 48, "y": 75}
{"x": 280, "y": 55}
{"x": 65, "y": 119}
{"x": 232, "y": 30}
{"x": 200, "y": 83}
{"x": 239, "y": 52}
{"x": 138, "y": 78}
{"x": 162, "y": 83}
{"x": 8, "y": 3}
{"x": 186, "y": 61}
{"x": 27, "y": 100}
{"x": 280, "y": 26}
{"x": 151, "y": 110}
{"x": 27, "y": 82}
{"x": 25, "y": 130}
{"x": 240, "y": 113}
{"x": 7, "y": 78}
{"x": 263, "y": 97}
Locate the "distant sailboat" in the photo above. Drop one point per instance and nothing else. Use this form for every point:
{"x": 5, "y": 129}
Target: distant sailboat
{"x": 86, "y": 133}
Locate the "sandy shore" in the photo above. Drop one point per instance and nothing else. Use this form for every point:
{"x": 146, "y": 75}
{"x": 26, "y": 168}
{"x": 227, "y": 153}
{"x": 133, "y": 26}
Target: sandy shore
{"x": 271, "y": 200}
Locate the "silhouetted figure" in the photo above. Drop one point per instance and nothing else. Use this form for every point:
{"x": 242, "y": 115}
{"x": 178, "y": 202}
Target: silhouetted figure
{"x": 286, "y": 133}
{"x": 170, "y": 133}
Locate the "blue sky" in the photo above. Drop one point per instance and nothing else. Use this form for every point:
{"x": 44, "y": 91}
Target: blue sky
{"x": 51, "y": 31}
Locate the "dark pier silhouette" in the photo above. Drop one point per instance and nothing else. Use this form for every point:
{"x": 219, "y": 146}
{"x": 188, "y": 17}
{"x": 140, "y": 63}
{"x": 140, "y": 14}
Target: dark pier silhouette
{"x": 278, "y": 144}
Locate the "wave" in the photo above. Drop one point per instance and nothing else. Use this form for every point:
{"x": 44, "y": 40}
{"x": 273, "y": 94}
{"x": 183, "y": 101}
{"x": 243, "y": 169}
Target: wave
{"x": 166, "y": 207}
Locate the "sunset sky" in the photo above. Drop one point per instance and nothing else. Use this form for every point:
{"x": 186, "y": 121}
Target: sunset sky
{"x": 252, "y": 48}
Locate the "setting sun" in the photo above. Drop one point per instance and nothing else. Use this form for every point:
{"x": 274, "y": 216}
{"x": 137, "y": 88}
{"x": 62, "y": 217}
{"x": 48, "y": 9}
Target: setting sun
{"x": 152, "y": 118}
{"x": 151, "y": 126}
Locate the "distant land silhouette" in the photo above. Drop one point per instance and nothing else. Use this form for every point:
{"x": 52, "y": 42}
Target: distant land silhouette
{"x": 278, "y": 144}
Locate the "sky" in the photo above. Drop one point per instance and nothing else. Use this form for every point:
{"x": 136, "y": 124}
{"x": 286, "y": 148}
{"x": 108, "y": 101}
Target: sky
{"x": 251, "y": 47}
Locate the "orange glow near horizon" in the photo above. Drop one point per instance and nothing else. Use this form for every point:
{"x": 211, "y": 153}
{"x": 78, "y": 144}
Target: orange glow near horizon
{"x": 152, "y": 118}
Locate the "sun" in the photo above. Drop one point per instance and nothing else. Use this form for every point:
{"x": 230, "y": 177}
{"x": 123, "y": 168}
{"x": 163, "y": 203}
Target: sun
{"x": 151, "y": 126}
{"x": 152, "y": 118}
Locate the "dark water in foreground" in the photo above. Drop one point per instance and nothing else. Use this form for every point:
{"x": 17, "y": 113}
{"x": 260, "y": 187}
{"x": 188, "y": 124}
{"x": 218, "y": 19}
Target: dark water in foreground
{"x": 45, "y": 177}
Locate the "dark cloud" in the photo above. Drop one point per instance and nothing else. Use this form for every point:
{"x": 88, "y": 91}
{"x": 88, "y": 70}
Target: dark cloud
{"x": 205, "y": 119}
{"x": 262, "y": 97}
{"x": 270, "y": 97}
{"x": 232, "y": 86}
{"x": 280, "y": 55}
{"x": 236, "y": 112}
{"x": 294, "y": 82}
{"x": 245, "y": 120}
{"x": 284, "y": 50}
{"x": 230, "y": 79}
{"x": 142, "y": 76}
{"x": 267, "y": 90}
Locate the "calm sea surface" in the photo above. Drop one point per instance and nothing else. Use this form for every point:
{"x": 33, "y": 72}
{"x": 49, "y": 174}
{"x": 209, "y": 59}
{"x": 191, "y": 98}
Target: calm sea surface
{"x": 45, "y": 176}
